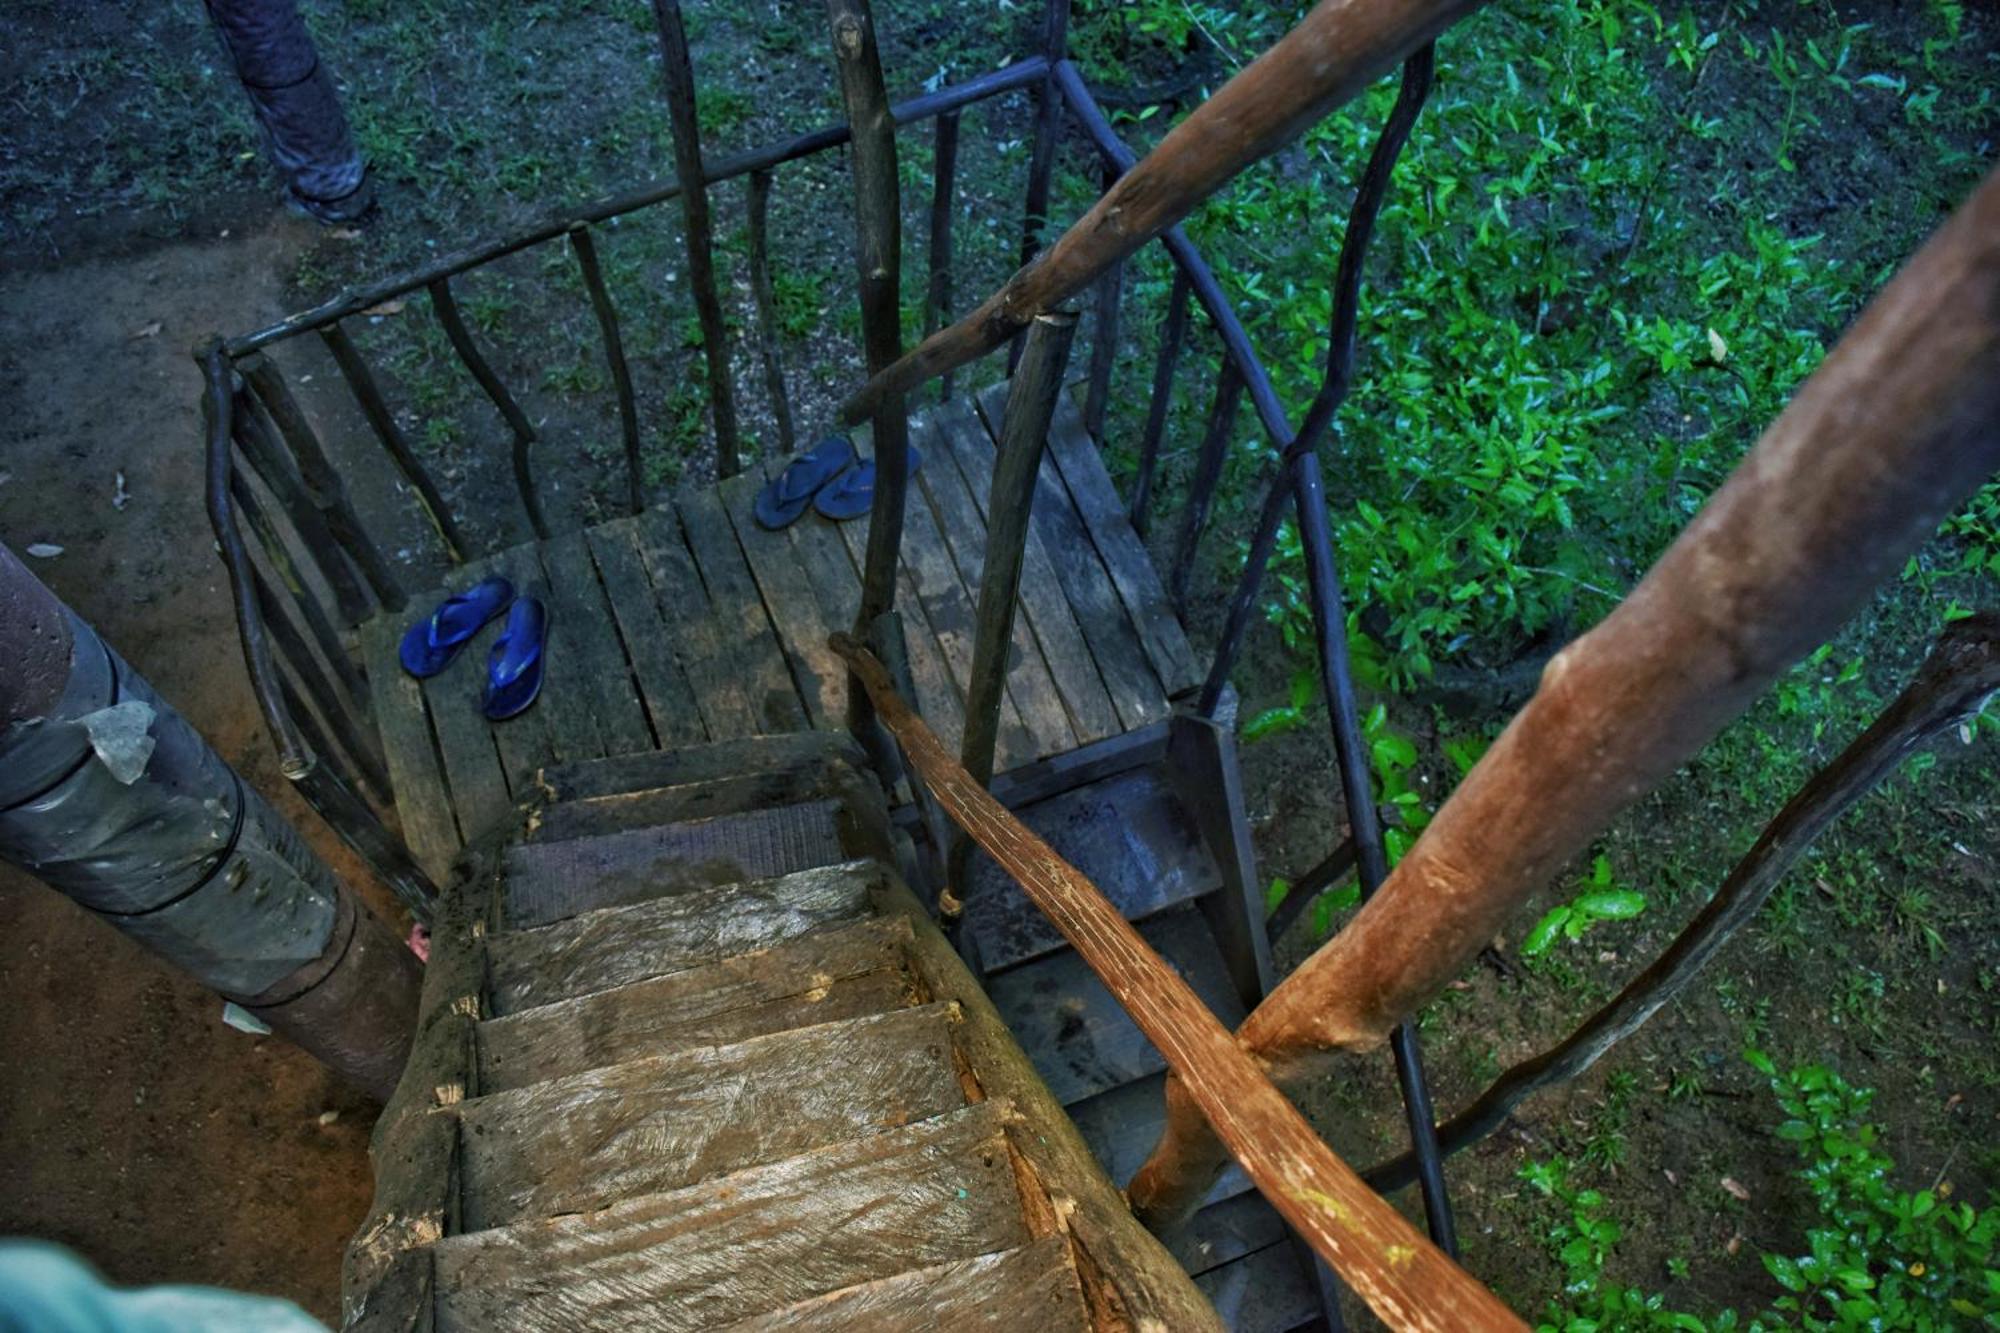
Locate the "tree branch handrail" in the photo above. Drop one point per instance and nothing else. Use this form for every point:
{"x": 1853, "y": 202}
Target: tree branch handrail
{"x": 1404, "y": 1278}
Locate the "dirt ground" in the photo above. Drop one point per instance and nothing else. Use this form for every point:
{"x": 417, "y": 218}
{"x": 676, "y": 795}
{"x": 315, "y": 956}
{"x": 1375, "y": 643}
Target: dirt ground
{"x": 135, "y": 1126}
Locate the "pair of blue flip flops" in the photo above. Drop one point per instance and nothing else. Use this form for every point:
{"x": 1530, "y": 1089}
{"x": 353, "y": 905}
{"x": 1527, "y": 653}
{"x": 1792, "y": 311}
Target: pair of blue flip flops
{"x": 513, "y": 664}
{"x": 832, "y": 478}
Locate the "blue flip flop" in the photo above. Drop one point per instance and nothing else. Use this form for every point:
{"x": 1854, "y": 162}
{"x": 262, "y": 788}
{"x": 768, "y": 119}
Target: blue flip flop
{"x": 514, "y": 665}
{"x": 786, "y": 495}
{"x": 430, "y": 644}
{"x": 851, "y": 493}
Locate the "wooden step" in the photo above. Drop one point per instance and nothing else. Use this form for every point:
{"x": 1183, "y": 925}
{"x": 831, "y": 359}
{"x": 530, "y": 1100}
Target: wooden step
{"x": 619, "y": 945}
{"x": 843, "y": 972}
{"x": 1122, "y": 1124}
{"x": 1126, "y": 833}
{"x": 1268, "y": 1291}
{"x": 1029, "y": 1290}
{"x": 551, "y": 880}
{"x": 692, "y": 764}
{"x": 1080, "y": 1039}
{"x": 747, "y": 1243}
{"x": 650, "y": 807}
{"x": 657, "y": 1124}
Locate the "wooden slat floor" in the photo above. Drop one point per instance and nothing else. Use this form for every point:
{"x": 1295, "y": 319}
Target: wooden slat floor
{"x": 689, "y": 623}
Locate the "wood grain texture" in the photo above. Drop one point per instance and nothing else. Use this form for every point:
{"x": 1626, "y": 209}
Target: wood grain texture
{"x": 669, "y": 699}
{"x": 656, "y": 1124}
{"x": 422, "y": 804}
{"x": 788, "y": 594}
{"x": 1389, "y": 1264}
{"x": 838, "y": 973}
{"x": 684, "y": 765}
{"x": 651, "y": 807}
{"x": 715, "y": 672}
{"x": 1135, "y": 691}
{"x": 599, "y": 950}
{"x": 1029, "y": 1290}
{"x": 749, "y": 1242}
{"x": 743, "y": 628}
{"x": 582, "y": 613}
{"x": 480, "y": 799}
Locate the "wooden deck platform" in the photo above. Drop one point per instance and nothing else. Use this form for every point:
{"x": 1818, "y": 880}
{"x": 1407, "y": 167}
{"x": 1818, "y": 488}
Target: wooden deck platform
{"x": 689, "y": 623}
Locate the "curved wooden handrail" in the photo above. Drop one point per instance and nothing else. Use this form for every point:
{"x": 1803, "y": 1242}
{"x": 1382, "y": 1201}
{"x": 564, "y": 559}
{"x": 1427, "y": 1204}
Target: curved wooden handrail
{"x": 1405, "y": 1279}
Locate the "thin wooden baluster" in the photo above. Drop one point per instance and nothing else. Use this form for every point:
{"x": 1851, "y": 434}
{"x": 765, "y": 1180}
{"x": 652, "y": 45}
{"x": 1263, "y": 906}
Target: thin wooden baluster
{"x": 259, "y": 445}
{"x": 677, "y": 65}
{"x": 1048, "y": 129}
{"x": 759, "y": 183}
{"x": 1104, "y": 350}
{"x": 310, "y": 610}
{"x": 446, "y": 306}
{"x": 1171, "y": 338}
{"x": 1207, "y": 472}
{"x": 878, "y": 260}
{"x": 614, "y": 352}
{"x": 937, "y": 300}
{"x": 1031, "y": 405}
{"x": 356, "y": 736}
{"x": 322, "y": 480}
{"x": 361, "y": 382}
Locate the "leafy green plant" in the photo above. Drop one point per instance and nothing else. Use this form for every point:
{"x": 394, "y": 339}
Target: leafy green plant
{"x": 1603, "y": 900}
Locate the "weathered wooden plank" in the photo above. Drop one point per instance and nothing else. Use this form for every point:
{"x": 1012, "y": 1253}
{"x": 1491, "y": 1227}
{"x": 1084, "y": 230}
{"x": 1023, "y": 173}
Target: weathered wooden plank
{"x": 1114, "y": 645}
{"x": 552, "y": 880}
{"x": 566, "y": 707}
{"x": 480, "y": 797}
{"x": 612, "y": 947}
{"x": 937, "y": 693}
{"x": 837, "y": 973}
{"x": 1127, "y": 834}
{"x": 1228, "y": 1229}
{"x": 422, "y": 803}
{"x": 961, "y": 509}
{"x": 1268, "y": 1291}
{"x": 714, "y": 671}
{"x": 788, "y": 595}
{"x": 583, "y": 616}
{"x": 524, "y": 741}
{"x": 1029, "y": 1290}
{"x": 750, "y": 1242}
{"x": 1030, "y": 681}
{"x": 734, "y": 795}
{"x": 663, "y": 686}
{"x": 948, "y": 609}
{"x": 1080, "y": 1038}
{"x": 658, "y": 1124}
{"x": 709, "y": 762}
{"x": 1103, "y": 514}
{"x": 1203, "y": 774}
{"x": 749, "y": 643}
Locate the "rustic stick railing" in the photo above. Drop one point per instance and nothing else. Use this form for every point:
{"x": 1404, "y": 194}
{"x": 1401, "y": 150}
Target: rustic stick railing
{"x": 1896, "y": 427}
{"x": 1954, "y": 683}
{"x": 1405, "y": 1279}
{"x": 601, "y": 306}
{"x": 445, "y": 306}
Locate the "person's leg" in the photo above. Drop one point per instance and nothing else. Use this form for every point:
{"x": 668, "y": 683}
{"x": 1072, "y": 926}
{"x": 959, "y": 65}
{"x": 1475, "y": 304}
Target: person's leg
{"x": 296, "y": 103}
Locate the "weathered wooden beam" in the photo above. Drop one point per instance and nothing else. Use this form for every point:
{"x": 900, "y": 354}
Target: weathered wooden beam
{"x": 677, "y": 66}
{"x": 1402, "y": 1276}
{"x": 1335, "y": 51}
{"x": 1898, "y": 425}
{"x": 1957, "y": 678}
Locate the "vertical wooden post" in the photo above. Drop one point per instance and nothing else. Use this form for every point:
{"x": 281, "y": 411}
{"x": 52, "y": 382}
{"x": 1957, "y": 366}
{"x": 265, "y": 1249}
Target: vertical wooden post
{"x": 677, "y": 65}
{"x": 944, "y": 170}
{"x": 614, "y": 352}
{"x": 1171, "y": 338}
{"x": 759, "y": 209}
{"x": 1048, "y": 129}
{"x": 1207, "y": 472}
{"x": 445, "y": 305}
{"x": 1104, "y": 350}
{"x": 878, "y": 258}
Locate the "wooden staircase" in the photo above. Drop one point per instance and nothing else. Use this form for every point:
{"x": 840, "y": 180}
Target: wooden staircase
{"x": 693, "y": 1057}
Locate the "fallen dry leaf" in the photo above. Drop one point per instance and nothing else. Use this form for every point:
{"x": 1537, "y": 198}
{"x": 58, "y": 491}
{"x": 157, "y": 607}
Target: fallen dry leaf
{"x": 45, "y": 550}
{"x": 1735, "y": 1190}
{"x": 150, "y": 329}
{"x": 394, "y": 307}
